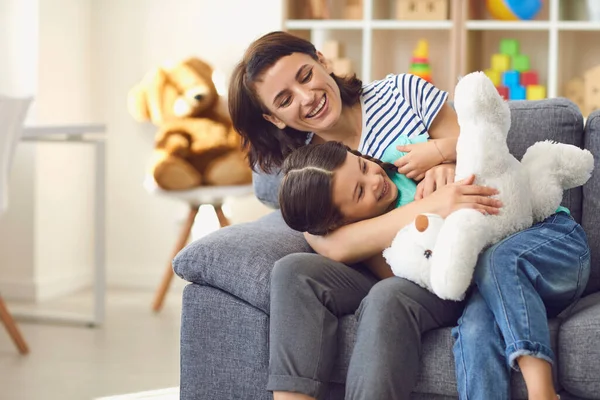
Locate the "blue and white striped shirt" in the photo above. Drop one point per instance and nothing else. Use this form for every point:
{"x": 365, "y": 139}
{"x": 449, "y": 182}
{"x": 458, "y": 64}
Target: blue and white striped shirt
{"x": 397, "y": 105}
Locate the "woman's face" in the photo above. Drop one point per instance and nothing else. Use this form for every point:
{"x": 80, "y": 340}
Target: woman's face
{"x": 362, "y": 189}
{"x": 299, "y": 92}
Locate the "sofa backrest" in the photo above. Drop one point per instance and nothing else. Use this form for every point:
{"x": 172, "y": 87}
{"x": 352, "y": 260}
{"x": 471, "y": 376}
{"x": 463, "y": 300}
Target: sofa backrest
{"x": 591, "y": 199}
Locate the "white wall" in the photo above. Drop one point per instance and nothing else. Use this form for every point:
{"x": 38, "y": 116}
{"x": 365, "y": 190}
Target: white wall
{"x": 46, "y": 236}
{"x": 129, "y": 38}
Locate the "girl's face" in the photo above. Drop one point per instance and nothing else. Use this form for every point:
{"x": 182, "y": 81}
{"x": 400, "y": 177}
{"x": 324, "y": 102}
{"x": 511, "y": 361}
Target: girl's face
{"x": 299, "y": 92}
{"x": 362, "y": 189}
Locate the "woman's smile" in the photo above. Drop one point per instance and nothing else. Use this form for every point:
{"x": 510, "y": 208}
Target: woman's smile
{"x": 320, "y": 109}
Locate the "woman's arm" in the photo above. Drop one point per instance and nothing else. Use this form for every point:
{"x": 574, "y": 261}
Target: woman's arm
{"x": 364, "y": 239}
{"x": 445, "y": 130}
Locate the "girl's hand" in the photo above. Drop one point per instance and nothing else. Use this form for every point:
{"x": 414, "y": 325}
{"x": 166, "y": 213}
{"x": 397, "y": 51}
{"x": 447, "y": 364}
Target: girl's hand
{"x": 436, "y": 178}
{"x": 463, "y": 194}
{"x": 421, "y": 157}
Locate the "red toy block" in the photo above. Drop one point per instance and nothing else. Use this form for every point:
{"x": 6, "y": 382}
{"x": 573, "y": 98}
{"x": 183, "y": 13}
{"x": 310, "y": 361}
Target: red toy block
{"x": 529, "y": 78}
{"x": 503, "y": 90}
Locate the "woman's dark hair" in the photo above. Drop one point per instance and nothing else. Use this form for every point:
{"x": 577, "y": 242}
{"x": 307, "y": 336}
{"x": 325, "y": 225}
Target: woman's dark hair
{"x": 306, "y": 191}
{"x": 266, "y": 144}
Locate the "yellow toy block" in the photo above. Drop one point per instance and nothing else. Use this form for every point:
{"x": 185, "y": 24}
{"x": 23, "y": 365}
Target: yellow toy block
{"x": 536, "y": 92}
{"x": 500, "y": 62}
{"x": 495, "y": 76}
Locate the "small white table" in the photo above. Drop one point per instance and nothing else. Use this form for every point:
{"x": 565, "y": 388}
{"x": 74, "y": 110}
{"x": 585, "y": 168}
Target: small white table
{"x": 93, "y": 134}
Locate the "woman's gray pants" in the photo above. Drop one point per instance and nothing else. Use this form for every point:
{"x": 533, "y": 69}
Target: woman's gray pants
{"x": 308, "y": 294}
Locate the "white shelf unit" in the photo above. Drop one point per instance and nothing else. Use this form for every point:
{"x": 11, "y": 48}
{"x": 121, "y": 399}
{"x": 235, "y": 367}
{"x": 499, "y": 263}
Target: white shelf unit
{"x": 378, "y": 44}
{"x": 560, "y": 42}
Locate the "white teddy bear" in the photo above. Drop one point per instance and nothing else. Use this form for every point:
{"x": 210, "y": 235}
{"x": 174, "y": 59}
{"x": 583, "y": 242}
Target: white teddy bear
{"x": 440, "y": 255}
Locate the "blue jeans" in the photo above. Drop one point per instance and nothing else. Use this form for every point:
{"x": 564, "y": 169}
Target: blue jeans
{"x": 519, "y": 283}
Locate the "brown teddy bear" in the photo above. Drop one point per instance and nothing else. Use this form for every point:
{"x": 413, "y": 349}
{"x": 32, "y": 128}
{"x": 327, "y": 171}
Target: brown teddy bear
{"x": 196, "y": 144}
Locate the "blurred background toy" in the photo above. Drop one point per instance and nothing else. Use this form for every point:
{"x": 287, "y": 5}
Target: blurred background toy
{"x": 334, "y": 54}
{"x": 425, "y": 10}
{"x": 584, "y": 90}
{"x": 419, "y": 63}
{"x": 513, "y": 10}
{"x": 353, "y": 9}
{"x": 512, "y": 75}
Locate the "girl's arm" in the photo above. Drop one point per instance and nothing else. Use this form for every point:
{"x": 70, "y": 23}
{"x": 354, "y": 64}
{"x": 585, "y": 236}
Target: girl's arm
{"x": 364, "y": 239}
{"x": 421, "y": 157}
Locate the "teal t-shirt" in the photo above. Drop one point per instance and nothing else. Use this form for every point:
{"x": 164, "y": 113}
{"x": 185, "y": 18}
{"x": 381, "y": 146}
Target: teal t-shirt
{"x": 407, "y": 188}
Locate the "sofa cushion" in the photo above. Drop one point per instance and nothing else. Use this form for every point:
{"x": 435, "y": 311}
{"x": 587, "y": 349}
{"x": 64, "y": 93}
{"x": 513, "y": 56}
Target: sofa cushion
{"x": 579, "y": 352}
{"x": 238, "y": 259}
{"x": 591, "y": 200}
{"x": 436, "y": 374}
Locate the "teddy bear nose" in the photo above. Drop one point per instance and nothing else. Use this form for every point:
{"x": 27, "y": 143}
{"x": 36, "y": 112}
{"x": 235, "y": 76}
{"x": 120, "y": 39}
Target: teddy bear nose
{"x": 427, "y": 253}
{"x": 199, "y": 97}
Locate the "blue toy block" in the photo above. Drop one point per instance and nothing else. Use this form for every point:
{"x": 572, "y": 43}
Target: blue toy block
{"x": 517, "y": 92}
{"x": 511, "y": 78}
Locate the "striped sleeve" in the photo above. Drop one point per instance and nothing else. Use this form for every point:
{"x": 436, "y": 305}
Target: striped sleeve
{"x": 424, "y": 98}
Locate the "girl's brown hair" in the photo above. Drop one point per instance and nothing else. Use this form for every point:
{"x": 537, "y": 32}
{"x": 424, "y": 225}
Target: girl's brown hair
{"x": 266, "y": 144}
{"x": 306, "y": 191}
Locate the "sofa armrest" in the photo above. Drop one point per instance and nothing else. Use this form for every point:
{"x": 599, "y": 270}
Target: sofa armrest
{"x": 579, "y": 348}
{"x": 238, "y": 259}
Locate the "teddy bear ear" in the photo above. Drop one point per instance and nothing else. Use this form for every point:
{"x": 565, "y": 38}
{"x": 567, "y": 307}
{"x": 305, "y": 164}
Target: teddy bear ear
{"x": 137, "y": 104}
{"x": 421, "y": 222}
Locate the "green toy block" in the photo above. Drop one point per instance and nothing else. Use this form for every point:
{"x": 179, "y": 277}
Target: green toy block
{"x": 520, "y": 63}
{"x": 509, "y": 47}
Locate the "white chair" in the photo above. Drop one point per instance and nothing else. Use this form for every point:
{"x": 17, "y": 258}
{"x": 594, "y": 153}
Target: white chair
{"x": 213, "y": 195}
{"x": 12, "y": 115}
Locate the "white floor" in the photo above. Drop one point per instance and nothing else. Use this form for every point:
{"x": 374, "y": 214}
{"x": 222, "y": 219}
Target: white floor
{"x": 136, "y": 350}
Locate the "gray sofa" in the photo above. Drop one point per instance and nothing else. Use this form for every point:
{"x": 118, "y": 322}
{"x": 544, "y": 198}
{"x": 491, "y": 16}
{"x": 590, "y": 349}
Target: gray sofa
{"x": 225, "y": 316}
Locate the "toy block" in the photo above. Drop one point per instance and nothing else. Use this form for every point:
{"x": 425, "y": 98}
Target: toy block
{"x": 592, "y": 90}
{"x": 500, "y": 62}
{"x": 353, "y": 9}
{"x": 536, "y": 92}
{"x": 575, "y": 91}
{"x": 342, "y": 66}
{"x": 319, "y": 9}
{"x": 419, "y": 68}
{"x": 503, "y": 91}
{"x": 520, "y": 62}
{"x": 332, "y": 49}
{"x": 495, "y": 76}
{"x": 517, "y": 92}
{"x": 425, "y": 10}
{"x": 510, "y": 47}
{"x": 510, "y": 78}
{"x": 529, "y": 78}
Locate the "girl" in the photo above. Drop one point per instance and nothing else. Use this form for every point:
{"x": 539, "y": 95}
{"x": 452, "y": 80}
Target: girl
{"x": 282, "y": 96}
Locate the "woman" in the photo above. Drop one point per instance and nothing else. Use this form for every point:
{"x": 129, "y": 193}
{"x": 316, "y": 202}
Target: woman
{"x": 281, "y": 91}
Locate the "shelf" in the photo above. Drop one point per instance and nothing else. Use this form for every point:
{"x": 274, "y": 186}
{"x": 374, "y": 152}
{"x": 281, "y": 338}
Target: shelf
{"x": 407, "y": 25}
{"x": 324, "y": 24}
{"x": 480, "y": 25}
{"x": 578, "y": 26}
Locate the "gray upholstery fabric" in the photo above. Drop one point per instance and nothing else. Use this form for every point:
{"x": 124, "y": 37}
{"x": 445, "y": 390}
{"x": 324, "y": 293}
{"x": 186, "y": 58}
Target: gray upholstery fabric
{"x": 579, "y": 348}
{"x": 266, "y": 188}
{"x": 591, "y": 199}
{"x": 224, "y": 350}
{"x": 224, "y": 334}
{"x": 238, "y": 259}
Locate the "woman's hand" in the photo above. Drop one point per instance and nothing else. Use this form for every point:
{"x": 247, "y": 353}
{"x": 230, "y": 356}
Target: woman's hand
{"x": 436, "y": 178}
{"x": 420, "y": 158}
{"x": 463, "y": 194}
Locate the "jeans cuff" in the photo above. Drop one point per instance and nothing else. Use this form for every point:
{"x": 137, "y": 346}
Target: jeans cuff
{"x": 298, "y": 384}
{"x": 527, "y": 348}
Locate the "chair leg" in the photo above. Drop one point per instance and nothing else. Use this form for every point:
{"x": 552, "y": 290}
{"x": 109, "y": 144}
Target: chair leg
{"x": 222, "y": 218}
{"x": 159, "y": 297}
{"x": 12, "y": 328}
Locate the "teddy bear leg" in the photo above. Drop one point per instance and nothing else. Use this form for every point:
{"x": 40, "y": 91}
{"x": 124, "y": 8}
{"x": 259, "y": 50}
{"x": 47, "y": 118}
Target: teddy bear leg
{"x": 230, "y": 169}
{"x": 172, "y": 173}
{"x": 463, "y": 236}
